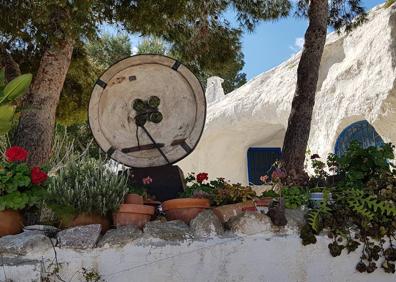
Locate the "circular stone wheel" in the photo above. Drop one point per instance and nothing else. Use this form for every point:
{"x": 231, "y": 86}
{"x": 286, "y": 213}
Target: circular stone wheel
{"x": 181, "y": 103}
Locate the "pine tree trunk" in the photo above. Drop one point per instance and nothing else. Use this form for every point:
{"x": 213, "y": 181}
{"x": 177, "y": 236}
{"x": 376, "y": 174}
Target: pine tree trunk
{"x": 299, "y": 124}
{"x": 36, "y": 125}
{"x": 6, "y": 61}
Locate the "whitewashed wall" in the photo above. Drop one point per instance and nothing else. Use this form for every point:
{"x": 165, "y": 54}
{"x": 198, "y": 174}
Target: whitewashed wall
{"x": 250, "y": 258}
{"x": 357, "y": 81}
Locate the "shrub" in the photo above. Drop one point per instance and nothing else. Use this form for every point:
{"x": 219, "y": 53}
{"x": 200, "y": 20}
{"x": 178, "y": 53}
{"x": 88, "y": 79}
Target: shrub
{"x": 20, "y": 186}
{"x": 86, "y": 186}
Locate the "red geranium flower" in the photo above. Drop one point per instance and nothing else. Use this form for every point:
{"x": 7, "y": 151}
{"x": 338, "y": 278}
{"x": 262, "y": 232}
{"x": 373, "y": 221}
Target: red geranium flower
{"x": 16, "y": 153}
{"x": 38, "y": 176}
{"x": 202, "y": 176}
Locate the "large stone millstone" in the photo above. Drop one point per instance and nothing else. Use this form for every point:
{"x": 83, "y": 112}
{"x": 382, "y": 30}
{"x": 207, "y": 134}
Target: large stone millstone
{"x": 112, "y": 114}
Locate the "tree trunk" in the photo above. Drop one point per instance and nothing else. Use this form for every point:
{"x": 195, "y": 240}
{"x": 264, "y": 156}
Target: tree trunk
{"x": 36, "y": 125}
{"x": 6, "y": 61}
{"x": 299, "y": 125}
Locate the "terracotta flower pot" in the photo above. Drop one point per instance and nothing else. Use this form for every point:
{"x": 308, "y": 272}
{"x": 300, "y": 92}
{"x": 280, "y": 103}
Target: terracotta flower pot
{"x": 135, "y": 199}
{"x": 137, "y": 215}
{"x": 11, "y": 222}
{"x": 87, "y": 219}
{"x": 184, "y": 209}
{"x": 263, "y": 202}
{"x": 224, "y": 213}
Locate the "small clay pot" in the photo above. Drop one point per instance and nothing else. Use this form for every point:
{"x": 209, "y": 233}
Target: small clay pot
{"x": 11, "y": 222}
{"x": 225, "y": 212}
{"x": 87, "y": 219}
{"x": 131, "y": 214}
{"x": 184, "y": 209}
{"x": 135, "y": 199}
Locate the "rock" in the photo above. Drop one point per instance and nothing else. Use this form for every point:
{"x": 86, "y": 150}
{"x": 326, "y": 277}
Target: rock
{"x": 249, "y": 223}
{"x": 225, "y": 212}
{"x": 79, "y": 237}
{"x": 295, "y": 218}
{"x": 175, "y": 230}
{"x": 24, "y": 243}
{"x": 46, "y": 230}
{"x": 206, "y": 224}
{"x": 120, "y": 236}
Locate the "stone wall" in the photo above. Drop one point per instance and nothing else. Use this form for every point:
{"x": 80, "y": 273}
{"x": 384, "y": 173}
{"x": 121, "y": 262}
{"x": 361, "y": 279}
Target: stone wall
{"x": 357, "y": 81}
{"x": 251, "y": 249}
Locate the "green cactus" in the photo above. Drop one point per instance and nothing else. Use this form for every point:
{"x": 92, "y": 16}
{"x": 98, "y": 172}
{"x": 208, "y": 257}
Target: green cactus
{"x": 9, "y": 92}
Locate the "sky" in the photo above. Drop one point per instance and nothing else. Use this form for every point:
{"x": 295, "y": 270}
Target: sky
{"x": 269, "y": 44}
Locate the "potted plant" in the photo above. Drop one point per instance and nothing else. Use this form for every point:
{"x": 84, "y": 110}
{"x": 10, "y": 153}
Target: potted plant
{"x": 133, "y": 211}
{"x": 232, "y": 199}
{"x": 20, "y": 187}
{"x": 192, "y": 201}
{"x": 266, "y": 198}
{"x": 86, "y": 192}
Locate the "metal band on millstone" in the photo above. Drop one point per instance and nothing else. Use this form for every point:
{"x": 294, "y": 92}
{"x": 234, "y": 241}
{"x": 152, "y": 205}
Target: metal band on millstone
{"x": 173, "y": 121}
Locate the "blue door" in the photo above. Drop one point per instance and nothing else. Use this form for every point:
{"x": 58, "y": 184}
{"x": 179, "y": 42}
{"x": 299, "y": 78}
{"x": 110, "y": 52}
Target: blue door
{"x": 260, "y": 161}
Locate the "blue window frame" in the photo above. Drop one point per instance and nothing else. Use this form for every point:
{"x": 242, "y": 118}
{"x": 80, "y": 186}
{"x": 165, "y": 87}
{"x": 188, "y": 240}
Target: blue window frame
{"x": 260, "y": 161}
{"x": 361, "y": 131}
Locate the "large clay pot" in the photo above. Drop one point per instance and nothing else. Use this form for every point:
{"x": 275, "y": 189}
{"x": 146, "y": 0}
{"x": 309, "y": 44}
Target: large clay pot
{"x": 87, "y": 219}
{"x": 11, "y": 222}
{"x": 184, "y": 209}
{"x": 130, "y": 214}
{"x": 224, "y": 213}
{"x": 135, "y": 199}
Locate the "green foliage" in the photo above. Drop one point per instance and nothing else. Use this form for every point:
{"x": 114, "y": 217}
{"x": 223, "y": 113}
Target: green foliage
{"x": 152, "y": 45}
{"x": 295, "y": 197}
{"x": 270, "y": 193}
{"x": 9, "y": 92}
{"x": 389, "y": 3}
{"x": 16, "y": 189}
{"x": 315, "y": 215}
{"x": 219, "y": 191}
{"x": 108, "y": 49}
{"x": 86, "y": 186}
{"x": 362, "y": 210}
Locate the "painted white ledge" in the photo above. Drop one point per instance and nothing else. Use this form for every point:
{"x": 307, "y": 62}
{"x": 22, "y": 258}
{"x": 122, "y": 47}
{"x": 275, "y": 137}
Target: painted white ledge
{"x": 249, "y": 258}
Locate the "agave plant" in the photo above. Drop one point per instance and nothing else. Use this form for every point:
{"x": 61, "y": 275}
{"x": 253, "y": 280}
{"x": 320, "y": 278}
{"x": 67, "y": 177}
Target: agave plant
{"x": 9, "y": 92}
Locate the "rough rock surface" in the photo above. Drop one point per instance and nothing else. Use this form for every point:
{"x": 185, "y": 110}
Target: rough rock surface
{"x": 80, "y": 237}
{"x": 120, "y": 236}
{"x": 206, "y": 224}
{"x": 249, "y": 223}
{"x": 175, "y": 230}
{"x": 295, "y": 218}
{"x": 46, "y": 230}
{"x": 23, "y": 243}
{"x": 357, "y": 81}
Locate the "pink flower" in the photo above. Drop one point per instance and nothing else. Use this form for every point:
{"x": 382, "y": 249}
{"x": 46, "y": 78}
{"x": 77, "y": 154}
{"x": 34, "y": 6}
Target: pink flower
{"x": 264, "y": 178}
{"x": 278, "y": 174}
{"x": 147, "y": 180}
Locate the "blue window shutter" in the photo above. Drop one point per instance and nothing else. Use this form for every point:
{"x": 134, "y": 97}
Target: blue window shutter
{"x": 260, "y": 161}
{"x": 361, "y": 131}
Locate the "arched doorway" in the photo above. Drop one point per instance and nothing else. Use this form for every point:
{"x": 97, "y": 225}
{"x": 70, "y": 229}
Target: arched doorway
{"x": 361, "y": 131}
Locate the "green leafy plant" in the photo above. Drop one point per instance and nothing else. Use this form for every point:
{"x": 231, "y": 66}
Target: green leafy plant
{"x": 232, "y": 193}
{"x": 295, "y": 196}
{"x": 86, "y": 186}
{"x": 20, "y": 186}
{"x": 9, "y": 92}
{"x": 362, "y": 211}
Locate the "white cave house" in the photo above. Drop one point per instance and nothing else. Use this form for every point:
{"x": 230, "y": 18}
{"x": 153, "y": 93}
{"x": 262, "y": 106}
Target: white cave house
{"x": 356, "y": 99}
